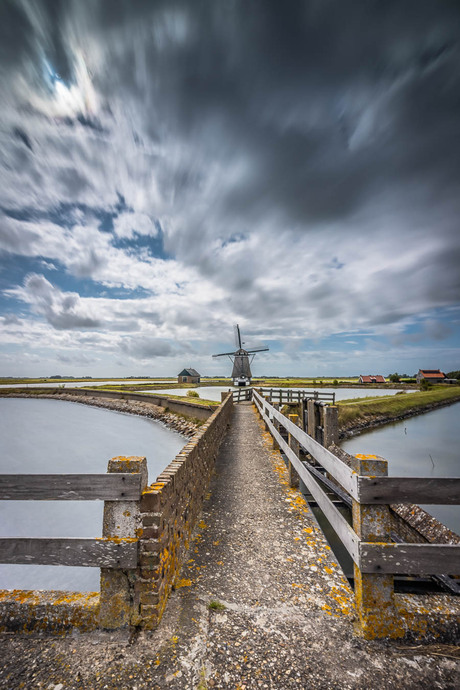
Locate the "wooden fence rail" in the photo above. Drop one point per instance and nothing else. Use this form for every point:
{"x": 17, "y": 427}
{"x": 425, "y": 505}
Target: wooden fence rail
{"x": 90, "y": 553}
{"x": 70, "y": 487}
{"x": 290, "y": 395}
{"x": 369, "y": 557}
{"x": 107, "y": 552}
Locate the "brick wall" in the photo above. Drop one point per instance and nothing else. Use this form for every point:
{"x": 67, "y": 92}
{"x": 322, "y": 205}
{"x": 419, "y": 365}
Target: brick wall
{"x": 169, "y": 510}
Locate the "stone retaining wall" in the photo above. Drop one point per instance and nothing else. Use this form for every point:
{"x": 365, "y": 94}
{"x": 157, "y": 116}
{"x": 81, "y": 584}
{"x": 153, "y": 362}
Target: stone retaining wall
{"x": 193, "y": 410}
{"x": 169, "y": 510}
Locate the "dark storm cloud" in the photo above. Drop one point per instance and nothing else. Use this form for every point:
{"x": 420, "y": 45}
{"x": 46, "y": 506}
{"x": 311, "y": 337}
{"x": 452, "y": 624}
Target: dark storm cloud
{"x": 275, "y": 142}
{"x": 22, "y": 136}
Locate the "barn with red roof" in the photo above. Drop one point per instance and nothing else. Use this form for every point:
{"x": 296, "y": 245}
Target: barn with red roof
{"x": 372, "y": 378}
{"x": 431, "y": 375}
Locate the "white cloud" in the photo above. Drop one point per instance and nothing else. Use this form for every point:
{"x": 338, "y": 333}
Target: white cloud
{"x": 64, "y": 311}
{"x": 127, "y": 225}
{"x": 299, "y": 197}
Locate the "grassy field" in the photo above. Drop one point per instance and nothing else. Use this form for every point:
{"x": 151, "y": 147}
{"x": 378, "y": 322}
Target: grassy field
{"x": 158, "y": 382}
{"x": 305, "y": 382}
{"x": 191, "y": 399}
{"x": 357, "y": 410}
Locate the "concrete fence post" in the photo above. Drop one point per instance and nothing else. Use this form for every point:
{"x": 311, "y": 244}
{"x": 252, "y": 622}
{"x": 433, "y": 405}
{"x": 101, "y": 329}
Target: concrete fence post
{"x": 330, "y": 425}
{"x": 374, "y": 593}
{"x": 118, "y": 605}
{"x": 295, "y": 446}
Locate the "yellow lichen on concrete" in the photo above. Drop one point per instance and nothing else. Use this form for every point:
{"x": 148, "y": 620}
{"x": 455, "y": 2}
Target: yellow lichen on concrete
{"x": 53, "y": 611}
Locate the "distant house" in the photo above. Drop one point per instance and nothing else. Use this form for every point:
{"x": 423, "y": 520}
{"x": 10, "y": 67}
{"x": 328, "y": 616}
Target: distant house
{"x": 431, "y": 375}
{"x": 378, "y": 378}
{"x": 188, "y": 376}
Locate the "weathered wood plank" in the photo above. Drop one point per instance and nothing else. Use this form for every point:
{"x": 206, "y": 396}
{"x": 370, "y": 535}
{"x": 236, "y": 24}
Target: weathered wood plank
{"x": 70, "y": 487}
{"x": 99, "y": 553}
{"x": 336, "y": 468}
{"x": 344, "y": 497}
{"x": 428, "y": 490}
{"x": 447, "y": 583}
{"x": 344, "y": 531}
{"x": 409, "y": 559}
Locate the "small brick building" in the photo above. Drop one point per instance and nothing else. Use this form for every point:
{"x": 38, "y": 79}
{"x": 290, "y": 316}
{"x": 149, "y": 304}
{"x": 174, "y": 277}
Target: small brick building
{"x": 377, "y": 378}
{"x": 431, "y": 375}
{"x": 188, "y": 376}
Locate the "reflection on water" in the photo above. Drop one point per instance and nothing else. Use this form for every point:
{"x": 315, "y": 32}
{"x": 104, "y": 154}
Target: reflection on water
{"x": 423, "y": 446}
{"x": 50, "y": 436}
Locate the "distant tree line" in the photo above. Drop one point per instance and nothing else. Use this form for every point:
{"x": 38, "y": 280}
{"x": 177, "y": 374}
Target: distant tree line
{"x": 396, "y": 378}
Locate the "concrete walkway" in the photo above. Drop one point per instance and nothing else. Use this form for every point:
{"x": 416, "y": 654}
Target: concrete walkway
{"x": 261, "y": 603}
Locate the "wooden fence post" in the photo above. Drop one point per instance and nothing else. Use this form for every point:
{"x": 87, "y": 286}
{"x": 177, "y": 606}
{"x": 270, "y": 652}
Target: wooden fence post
{"x": 374, "y": 594}
{"x": 276, "y": 424}
{"x": 295, "y": 446}
{"x": 303, "y": 414}
{"x": 311, "y": 418}
{"x": 330, "y": 425}
{"x": 118, "y": 605}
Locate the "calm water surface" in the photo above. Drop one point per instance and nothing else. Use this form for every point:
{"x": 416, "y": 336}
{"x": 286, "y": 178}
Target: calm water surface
{"x": 80, "y": 384}
{"x": 50, "y": 436}
{"x": 213, "y": 392}
{"x": 423, "y": 446}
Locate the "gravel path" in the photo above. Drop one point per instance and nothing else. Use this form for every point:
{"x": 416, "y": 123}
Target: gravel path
{"x": 261, "y": 603}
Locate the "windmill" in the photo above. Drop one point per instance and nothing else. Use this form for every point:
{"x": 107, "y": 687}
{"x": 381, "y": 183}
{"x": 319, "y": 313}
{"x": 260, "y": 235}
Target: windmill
{"x": 241, "y": 359}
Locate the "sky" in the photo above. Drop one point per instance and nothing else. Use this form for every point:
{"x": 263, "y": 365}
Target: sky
{"x": 171, "y": 168}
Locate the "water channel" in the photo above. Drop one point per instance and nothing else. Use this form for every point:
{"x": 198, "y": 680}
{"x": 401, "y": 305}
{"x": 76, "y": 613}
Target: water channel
{"x": 422, "y": 446}
{"x": 213, "y": 392}
{"x": 50, "y": 436}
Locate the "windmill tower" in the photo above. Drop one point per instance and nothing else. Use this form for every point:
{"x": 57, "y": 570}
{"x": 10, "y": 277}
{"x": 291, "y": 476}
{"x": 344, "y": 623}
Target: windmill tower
{"x": 241, "y": 359}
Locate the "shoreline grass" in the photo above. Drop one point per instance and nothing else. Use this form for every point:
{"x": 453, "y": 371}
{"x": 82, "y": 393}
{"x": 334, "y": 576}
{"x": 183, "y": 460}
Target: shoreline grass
{"x": 4, "y": 392}
{"x": 359, "y": 410}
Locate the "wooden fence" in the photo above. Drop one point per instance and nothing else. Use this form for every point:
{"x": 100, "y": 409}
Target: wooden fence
{"x": 145, "y": 533}
{"x": 284, "y": 395}
{"x": 116, "y": 553}
{"x": 290, "y": 395}
{"x": 376, "y": 559}
{"x": 241, "y": 394}
{"x": 102, "y": 552}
